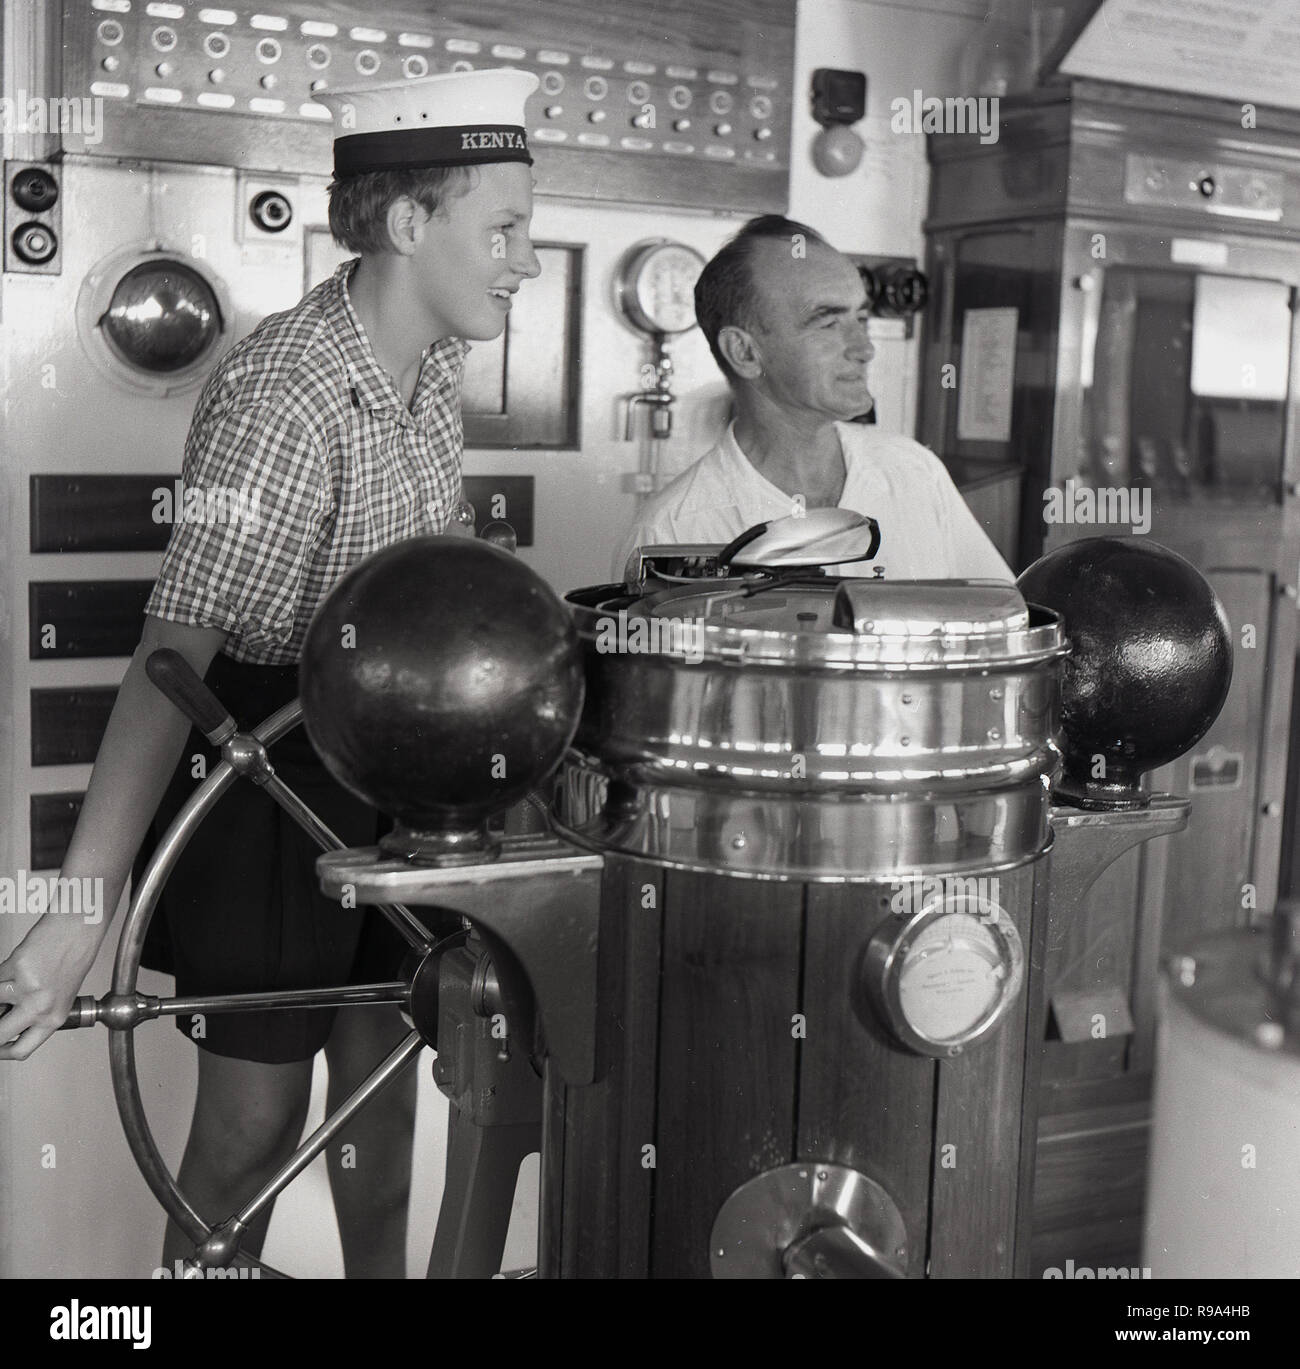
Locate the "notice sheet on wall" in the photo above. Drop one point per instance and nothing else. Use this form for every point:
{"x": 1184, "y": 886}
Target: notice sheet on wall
{"x": 987, "y": 376}
{"x": 1246, "y": 50}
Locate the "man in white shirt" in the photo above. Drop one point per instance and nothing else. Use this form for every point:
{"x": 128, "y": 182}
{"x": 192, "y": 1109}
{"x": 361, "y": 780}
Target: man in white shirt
{"x": 785, "y": 316}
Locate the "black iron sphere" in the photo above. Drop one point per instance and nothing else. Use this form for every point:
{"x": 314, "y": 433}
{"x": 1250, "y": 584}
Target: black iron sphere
{"x": 441, "y": 681}
{"x": 1149, "y": 666}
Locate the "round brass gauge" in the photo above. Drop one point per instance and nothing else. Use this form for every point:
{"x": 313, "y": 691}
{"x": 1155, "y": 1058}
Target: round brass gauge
{"x": 656, "y": 286}
{"x": 945, "y": 976}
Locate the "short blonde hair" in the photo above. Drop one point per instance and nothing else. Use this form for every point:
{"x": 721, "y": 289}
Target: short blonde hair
{"x": 359, "y": 204}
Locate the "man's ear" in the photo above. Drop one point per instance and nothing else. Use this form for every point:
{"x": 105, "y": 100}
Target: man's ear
{"x": 741, "y": 351}
{"x": 405, "y": 222}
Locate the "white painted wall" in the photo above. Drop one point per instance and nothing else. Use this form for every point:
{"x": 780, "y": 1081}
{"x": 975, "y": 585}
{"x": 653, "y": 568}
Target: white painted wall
{"x": 900, "y": 47}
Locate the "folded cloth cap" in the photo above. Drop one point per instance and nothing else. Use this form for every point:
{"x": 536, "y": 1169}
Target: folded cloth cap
{"x": 462, "y": 118}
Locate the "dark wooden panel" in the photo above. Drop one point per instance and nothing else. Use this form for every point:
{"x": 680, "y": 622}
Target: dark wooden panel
{"x": 1073, "y": 1090}
{"x": 1089, "y": 1187}
{"x": 1014, "y": 265}
{"x": 543, "y": 355}
{"x": 1091, "y": 951}
{"x": 89, "y": 617}
{"x": 53, "y": 816}
{"x": 550, "y": 1208}
{"x": 98, "y": 512}
{"x": 512, "y": 494}
{"x": 996, "y": 505}
{"x": 1035, "y": 1031}
{"x": 1144, "y": 1000}
{"x": 68, "y": 724}
{"x": 977, "y": 1112}
{"x": 1212, "y": 859}
{"x": 864, "y": 1100}
{"x": 521, "y": 389}
{"x": 726, "y": 1088}
{"x": 1112, "y": 1244}
{"x": 608, "y": 1190}
{"x": 115, "y": 513}
{"x": 1289, "y": 872}
{"x": 1080, "y": 1095}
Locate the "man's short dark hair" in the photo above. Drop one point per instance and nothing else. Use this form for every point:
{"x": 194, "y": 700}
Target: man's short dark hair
{"x": 359, "y": 204}
{"x": 725, "y": 294}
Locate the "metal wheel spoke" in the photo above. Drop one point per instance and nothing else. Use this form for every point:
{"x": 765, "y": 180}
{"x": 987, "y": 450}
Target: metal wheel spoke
{"x": 405, "y": 921}
{"x": 346, "y": 995}
{"x": 328, "y": 1129}
{"x": 407, "y": 924}
{"x": 315, "y": 828}
{"x": 122, "y": 1012}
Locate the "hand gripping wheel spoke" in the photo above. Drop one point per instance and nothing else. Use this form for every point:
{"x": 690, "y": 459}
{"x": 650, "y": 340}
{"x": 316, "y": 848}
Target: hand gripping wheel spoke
{"x": 244, "y": 754}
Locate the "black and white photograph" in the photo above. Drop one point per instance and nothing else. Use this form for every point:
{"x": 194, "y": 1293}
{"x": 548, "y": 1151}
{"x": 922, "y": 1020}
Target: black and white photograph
{"x": 650, "y": 640}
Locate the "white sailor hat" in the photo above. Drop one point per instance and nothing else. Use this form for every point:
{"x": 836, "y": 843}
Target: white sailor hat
{"x": 461, "y": 118}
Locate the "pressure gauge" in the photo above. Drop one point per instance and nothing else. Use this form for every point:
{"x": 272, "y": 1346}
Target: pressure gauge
{"x": 656, "y": 286}
{"x": 945, "y": 976}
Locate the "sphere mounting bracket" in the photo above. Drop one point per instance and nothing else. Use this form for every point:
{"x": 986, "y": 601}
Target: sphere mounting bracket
{"x": 539, "y": 899}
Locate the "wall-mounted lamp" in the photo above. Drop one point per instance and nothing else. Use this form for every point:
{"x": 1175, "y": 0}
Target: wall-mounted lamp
{"x": 839, "y": 99}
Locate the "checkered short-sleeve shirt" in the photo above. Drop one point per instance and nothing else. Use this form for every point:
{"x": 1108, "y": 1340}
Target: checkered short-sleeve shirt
{"x": 302, "y": 460}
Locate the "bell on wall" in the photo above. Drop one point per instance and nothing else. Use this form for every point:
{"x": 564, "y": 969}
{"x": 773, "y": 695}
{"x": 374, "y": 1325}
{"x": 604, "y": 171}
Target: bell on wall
{"x": 839, "y": 100}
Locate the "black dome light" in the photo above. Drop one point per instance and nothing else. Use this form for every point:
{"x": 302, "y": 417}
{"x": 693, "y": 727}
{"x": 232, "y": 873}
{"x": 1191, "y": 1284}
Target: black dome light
{"x": 163, "y": 317}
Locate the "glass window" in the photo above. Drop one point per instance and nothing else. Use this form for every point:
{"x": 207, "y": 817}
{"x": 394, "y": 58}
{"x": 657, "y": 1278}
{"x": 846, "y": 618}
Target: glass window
{"x": 1185, "y": 383}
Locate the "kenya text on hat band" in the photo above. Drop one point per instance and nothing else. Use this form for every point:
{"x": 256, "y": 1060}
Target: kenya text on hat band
{"x": 396, "y": 149}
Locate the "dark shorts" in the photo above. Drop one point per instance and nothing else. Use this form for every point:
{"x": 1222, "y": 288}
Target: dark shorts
{"x": 242, "y": 911}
